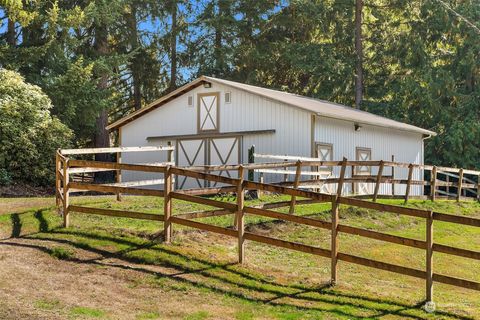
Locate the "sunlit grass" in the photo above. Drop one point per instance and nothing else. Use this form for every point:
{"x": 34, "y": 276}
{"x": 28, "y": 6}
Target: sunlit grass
{"x": 274, "y": 282}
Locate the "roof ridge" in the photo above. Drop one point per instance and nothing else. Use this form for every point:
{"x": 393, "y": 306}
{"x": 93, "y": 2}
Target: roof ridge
{"x": 317, "y": 106}
{"x": 327, "y": 103}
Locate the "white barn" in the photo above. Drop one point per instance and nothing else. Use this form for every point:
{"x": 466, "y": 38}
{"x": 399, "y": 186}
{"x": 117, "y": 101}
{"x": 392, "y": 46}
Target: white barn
{"x": 215, "y": 121}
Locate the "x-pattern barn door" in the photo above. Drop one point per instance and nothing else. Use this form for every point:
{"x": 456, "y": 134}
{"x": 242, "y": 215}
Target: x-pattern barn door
{"x": 191, "y": 153}
{"x": 325, "y": 153}
{"x": 207, "y": 151}
{"x": 208, "y": 112}
{"x": 223, "y": 151}
{"x": 364, "y": 154}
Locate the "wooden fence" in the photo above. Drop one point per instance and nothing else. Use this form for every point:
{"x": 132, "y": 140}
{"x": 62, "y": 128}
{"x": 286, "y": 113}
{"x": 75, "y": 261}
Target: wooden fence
{"x": 239, "y": 210}
{"x": 463, "y": 185}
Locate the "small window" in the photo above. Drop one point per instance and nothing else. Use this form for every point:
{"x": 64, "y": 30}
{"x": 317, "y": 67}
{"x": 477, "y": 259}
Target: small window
{"x": 228, "y": 97}
{"x": 363, "y": 154}
{"x": 324, "y": 152}
{"x": 190, "y": 101}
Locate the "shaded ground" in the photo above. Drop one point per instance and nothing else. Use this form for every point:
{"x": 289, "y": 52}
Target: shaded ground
{"x": 25, "y": 190}
{"x": 117, "y": 268}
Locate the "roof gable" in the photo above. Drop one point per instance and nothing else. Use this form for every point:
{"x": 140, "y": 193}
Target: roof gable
{"x": 319, "y": 107}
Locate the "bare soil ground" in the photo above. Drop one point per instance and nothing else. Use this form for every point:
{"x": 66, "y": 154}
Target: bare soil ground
{"x": 35, "y": 285}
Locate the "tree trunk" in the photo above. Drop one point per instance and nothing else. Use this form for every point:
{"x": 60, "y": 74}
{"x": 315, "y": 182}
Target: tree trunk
{"x": 359, "y": 54}
{"x": 218, "y": 54}
{"x": 173, "y": 48}
{"x": 135, "y": 64}
{"x": 11, "y": 34}
{"x": 102, "y": 139}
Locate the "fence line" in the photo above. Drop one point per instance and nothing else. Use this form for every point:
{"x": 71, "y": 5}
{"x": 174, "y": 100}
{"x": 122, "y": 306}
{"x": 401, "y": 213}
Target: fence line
{"x": 324, "y": 167}
{"x": 239, "y": 210}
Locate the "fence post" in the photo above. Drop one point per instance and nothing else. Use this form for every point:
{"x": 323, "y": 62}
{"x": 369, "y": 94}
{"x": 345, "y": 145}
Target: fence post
{"x": 240, "y": 216}
{"x": 429, "y": 257}
{"x": 478, "y": 188}
{"x": 167, "y": 205}
{"x": 335, "y": 218}
{"x": 433, "y": 183}
{"x": 251, "y": 159}
{"x": 379, "y": 180}
{"x": 57, "y": 179}
{"x": 66, "y": 194}
{"x": 169, "y": 153}
{"x": 353, "y": 181}
{"x": 118, "y": 177}
{"x": 393, "y": 175}
{"x": 341, "y": 178}
{"x": 171, "y": 161}
{"x": 460, "y": 183}
{"x": 409, "y": 182}
{"x": 296, "y": 183}
{"x": 261, "y": 180}
{"x": 334, "y": 245}
{"x": 447, "y": 188}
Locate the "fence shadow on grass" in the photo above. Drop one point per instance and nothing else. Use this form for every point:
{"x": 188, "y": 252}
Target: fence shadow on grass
{"x": 16, "y": 225}
{"x": 235, "y": 280}
{"x": 42, "y": 222}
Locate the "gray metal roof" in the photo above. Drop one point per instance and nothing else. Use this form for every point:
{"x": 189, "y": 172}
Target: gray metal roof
{"x": 323, "y": 108}
{"x": 317, "y": 106}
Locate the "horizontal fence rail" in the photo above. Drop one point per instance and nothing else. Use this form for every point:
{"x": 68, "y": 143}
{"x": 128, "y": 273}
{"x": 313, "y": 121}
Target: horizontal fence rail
{"x": 322, "y": 173}
{"x": 114, "y": 150}
{"x": 66, "y": 167}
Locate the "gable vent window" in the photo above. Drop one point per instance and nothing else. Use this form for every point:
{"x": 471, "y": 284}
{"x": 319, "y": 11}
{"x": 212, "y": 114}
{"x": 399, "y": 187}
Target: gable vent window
{"x": 190, "y": 101}
{"x": 228, "y": 97}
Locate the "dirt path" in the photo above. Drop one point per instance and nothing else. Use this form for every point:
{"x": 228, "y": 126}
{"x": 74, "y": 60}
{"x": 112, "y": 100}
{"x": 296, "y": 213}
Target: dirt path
{"x": 19, "y": 205}
{"x": 35, "y": 285}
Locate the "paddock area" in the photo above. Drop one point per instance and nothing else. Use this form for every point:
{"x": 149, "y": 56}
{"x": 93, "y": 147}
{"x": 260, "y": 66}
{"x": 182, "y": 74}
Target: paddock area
{"x": 216, "y": 184}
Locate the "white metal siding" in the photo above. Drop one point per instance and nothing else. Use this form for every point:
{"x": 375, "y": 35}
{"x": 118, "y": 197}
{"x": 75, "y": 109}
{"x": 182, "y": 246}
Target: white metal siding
{"x": 405, "y": 146}
{"x": 245, "y": 112}
{"x": 248, "y": 112}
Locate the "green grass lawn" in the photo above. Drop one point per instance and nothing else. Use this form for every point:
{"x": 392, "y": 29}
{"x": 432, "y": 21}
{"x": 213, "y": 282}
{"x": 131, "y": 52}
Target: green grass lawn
{"x": 274, "y": 283}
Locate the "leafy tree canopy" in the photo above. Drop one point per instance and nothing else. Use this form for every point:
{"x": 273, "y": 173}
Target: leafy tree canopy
{"x": 29, "y": 135}
{"x": 99, "y": 60}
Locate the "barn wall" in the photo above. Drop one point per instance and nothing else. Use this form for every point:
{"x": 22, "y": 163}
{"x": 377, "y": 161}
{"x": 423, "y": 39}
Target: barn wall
{"x": 246, "y": 112}
{"x": 293, "y": 135}
{"x": 384, "y": 142}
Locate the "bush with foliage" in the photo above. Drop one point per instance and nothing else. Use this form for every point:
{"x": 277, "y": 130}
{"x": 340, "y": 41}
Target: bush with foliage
{"x": 29, "y": 135}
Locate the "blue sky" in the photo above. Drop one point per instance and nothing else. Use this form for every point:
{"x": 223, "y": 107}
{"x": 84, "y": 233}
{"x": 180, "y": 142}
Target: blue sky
{"x": 149, "y": 27}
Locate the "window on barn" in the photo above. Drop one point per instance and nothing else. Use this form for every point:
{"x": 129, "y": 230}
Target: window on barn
{"x": 324, "y": 152}
{"x": 228, "y": 97}
{"x": 208, "y": 116}
{"x": 363, "y": 154}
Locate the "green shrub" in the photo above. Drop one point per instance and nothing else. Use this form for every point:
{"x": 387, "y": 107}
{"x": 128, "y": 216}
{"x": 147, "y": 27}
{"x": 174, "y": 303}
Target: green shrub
{"x": 29, "y": 135}
{"x": 5, "y": 177}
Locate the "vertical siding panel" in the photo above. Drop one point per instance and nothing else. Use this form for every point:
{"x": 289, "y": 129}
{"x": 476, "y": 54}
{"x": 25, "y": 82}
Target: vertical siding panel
{"x": 384, "y": 142}
{"x": 250, "y": 112}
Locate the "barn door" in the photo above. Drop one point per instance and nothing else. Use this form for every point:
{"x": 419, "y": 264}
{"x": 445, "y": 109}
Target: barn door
{"x": 325, "y": 153}
{"x": 191, "y": 153}
{"x": 224, "y": 151}
{"x": 364, "y": 154}
{"x": 208, "y": 107}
